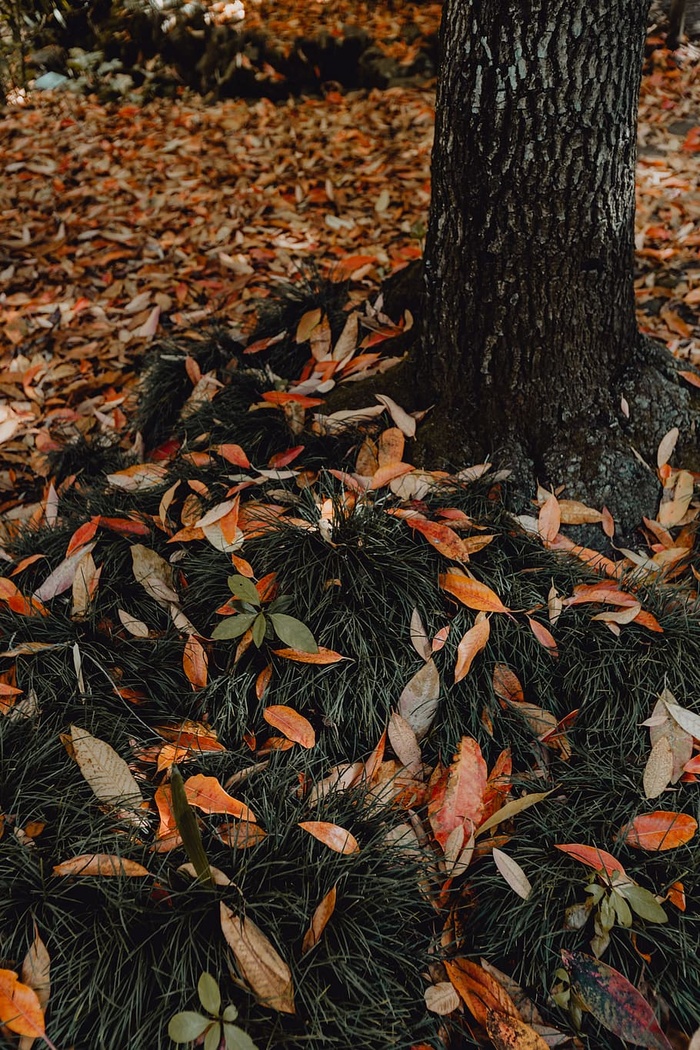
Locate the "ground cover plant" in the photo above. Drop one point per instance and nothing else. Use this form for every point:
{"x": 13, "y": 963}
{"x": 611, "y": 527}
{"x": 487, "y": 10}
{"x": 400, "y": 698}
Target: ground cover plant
{"x": 390, "y": 763}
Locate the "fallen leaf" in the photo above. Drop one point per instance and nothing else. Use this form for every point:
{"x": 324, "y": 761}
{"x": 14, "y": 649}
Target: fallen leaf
{"x": 511, "y": 1033}
{"x": 658, "y": 771}
{"x": 405, "y": 423}
{"x": 207, "y": 794}
{"x": 293, "y": 725}
{"x": 100, "y": 864}
{"x": 154, "y": 574}
{"x": 613, "y": 1001}
{"x": 543, "y": 636}
{"x": 106, "y": 772}
{"x": 479, "y": 991}
{"x": 240, "y": 834}
{"x": 419, "y": 636}
{"x": 331, "y": 835}
{"x": 512, "y": 873}
{"x": 594, "y": 857}
{"x": 471, "y": 593}
{"x": 441, "y": 998}
{"x": 194, "y": 662}
{"x": 666, "y": 446}
{"x": 506, "y": 685}
{"x": 260, "y": 964}
{"x": 20, "y": 1009}
{"x": 319, "y": 920}
{"x": 404, "y": 741}
{"x": 470, "y": 644}
{"x": 457, "y": 798}
{"x": 660, "y": 830}
{"x": 549, "y": 519}
{"x": 138, "y": 478}
{"x": 419, "y": 698}
{"x": 511, "y": 809}
{"x": 322, "y": 657}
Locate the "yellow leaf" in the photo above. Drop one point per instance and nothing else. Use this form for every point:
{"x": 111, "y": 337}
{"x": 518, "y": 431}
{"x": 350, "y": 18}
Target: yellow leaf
{"x": 331, "y": 835}
{"x": 261, "y": 966}
{"x": 100, "y": 864}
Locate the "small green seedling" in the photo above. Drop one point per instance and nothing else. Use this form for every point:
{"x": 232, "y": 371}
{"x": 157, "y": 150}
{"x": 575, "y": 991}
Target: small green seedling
{"x": 218, "y": 1029}
{"x": 267, "y": 624}
{"x": 613, "y": 902}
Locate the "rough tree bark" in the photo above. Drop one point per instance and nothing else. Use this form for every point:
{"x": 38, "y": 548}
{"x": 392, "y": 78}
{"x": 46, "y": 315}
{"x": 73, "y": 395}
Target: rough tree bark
{"x": 530, "y": 340}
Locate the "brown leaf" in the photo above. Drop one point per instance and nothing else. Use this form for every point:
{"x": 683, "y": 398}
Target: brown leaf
{"x": 479, "y": 991}
{"x": 419, "y": 698}
{"x": 457, "y": 798}
{"x": 510, "y": 1033}
{"x": 404, "y": 742}
{"x": 260, "y": 964}
{"x": 658, "y": 771}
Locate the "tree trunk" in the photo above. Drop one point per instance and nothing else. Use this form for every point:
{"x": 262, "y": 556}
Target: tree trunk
{"x": 529, "y": 255}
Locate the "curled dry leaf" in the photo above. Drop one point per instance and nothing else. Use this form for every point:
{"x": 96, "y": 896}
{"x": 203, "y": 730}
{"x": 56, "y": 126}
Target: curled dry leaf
{"x": 319, "y": 920}
{"x": 332, "y": 835}
{"x": 405, "y": 423}
{"x": 260, "y": 964}
{"x": 154, "y": 574}
{"x": 100, "y": 864}
{"x": 293, "y": 725}
{"x": 660, "y": 830}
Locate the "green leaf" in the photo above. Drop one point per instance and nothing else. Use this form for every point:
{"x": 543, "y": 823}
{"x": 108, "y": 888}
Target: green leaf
{"x": 244, "y": 589}
{"x": 184, "y": 1027}
{"x": 280, "y": 604}
{"x": 259, "y": 629}
{"x": 595, "y": 891}
{"x": 613, "y": 1001}
{"x": 209, "y": 994}
{"x": 213, "y": 1037}
{"x": 644, "y": 903}
{"x": 237, "y": 1039}
{"x": 233, "y": 626}
{"x": 622, "y": 910}
{"x": 295, "y": 633}
{"x": 230, "y": 1013}
{"x": 188, "y": 827}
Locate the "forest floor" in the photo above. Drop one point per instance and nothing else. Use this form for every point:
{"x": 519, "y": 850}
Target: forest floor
{"x": 386, "y": 869}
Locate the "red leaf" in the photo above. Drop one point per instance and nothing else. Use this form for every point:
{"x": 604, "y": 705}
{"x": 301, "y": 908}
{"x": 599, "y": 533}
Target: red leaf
{"x": 592, "y": 856}
{"x": 457, "y": 799}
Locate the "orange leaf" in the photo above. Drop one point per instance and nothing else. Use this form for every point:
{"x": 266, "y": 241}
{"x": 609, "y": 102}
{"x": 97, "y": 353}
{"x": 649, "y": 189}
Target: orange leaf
{"x": 234, "y": 454}
{"x": 319, "y": 920}
{"x": 691, "y": 377}
{"x": 659, "y": 830}
{"x": 262, "y": 681}
{"x": 289, "y": 722}
{"x": 549, "y": 520}
{"x": 323, "y": 656}
{"x": 543, "y": 636}
{"x": 471, "y": 593}
{"x": 193, "y": 735}
{"x": 194, "y": 662}
{"x": 676, "y": 895}
{"x": 470, "y": 644}
{"x": 512, "y": 1033}
{"x": 441, "y": 537}
{"x": 479, "y": 990}
{"x": 331, "y": 835}
{"x": 240, "y": 834}
{"x": 100, "y": 864}
{"x": 82, "y": 535}
{"x": 457, "y": 799}
{"x": 603, "y": 592}
{"x": 593, "y": 857}
{"x": 207, "y": 794}
{"x": 20, "y": 1009}
{"x": 16, "y": 601}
